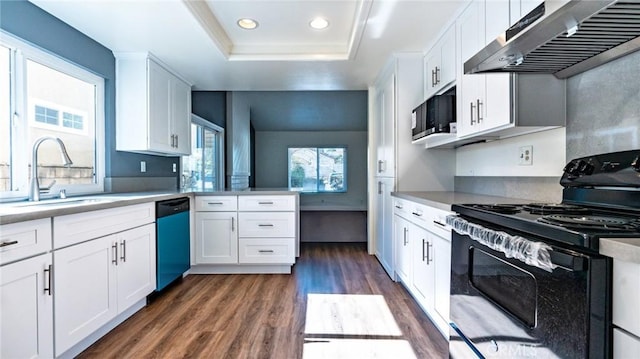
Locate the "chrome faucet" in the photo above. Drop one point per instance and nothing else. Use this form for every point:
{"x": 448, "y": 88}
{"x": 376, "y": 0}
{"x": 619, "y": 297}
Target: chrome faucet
{"x": 34, "y": 186}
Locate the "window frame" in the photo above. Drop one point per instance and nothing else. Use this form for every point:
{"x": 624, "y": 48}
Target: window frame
{"x": 199, "y": 121}
{"x": 21, "y": 110}
{"x": 317, "y": 148}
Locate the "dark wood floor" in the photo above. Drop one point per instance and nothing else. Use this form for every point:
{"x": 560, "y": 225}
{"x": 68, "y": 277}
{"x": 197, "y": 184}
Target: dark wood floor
{"x": 262, "y": 316}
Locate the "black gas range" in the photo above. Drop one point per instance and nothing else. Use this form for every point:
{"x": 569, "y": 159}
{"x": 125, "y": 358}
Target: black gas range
{"x": 527, "y": 279}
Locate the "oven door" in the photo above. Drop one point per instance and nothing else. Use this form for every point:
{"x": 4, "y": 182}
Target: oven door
{"x": 502, "y": 307}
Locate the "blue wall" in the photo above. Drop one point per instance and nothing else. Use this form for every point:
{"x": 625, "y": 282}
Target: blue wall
{"x": 32, "y": 24}
{"x": 210, "y": 105}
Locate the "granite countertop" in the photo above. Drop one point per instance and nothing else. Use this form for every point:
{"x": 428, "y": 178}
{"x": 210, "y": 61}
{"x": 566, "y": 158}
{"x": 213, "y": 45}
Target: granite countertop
{"x": 624, "y": 249}
{"x": 26, "y": 211}
{"x": 444, "y": 200}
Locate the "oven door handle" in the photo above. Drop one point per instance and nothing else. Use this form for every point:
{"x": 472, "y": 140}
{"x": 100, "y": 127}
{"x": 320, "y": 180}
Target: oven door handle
{"x": 571, "y": 263}
{"x": 466, "y": 340}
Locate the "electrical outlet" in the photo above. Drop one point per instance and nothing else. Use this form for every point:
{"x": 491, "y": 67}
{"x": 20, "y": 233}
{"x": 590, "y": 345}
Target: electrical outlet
{"x": 143, "y": 166}
{"x": 525, "y": 157}
{"x": 175, "y": 168}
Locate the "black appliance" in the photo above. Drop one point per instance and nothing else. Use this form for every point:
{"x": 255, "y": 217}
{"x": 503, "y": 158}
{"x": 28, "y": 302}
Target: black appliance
{"x": 527, "y": 280}
{"x": 434, "y": 115}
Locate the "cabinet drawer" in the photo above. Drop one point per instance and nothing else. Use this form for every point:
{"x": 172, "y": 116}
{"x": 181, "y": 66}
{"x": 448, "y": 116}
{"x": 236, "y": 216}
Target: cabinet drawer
{"x": 625, "y": 346}
{"x": 216, "y": 203}
{"x": 437, "y": 222}
{"x": 75, "y": 228}
{"x": 24, "y": 239}
{"x": 626, "y": 296}
{"x": 266, "y": 250}
{"x": 258, "y": 224}
{"x": 401, "y": 207}
{"x": 267, "y": 203}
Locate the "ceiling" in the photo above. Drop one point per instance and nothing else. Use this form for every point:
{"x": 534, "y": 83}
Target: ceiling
{"x": 201, "y": 41}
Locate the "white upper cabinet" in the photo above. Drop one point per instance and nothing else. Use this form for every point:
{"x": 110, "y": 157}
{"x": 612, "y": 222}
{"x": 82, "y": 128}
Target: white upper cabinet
{"x": 153, "y": 107}
{"x": 499, "y": 105}
{"x": 440, "y": 64}
{"x": 385, "y": 164}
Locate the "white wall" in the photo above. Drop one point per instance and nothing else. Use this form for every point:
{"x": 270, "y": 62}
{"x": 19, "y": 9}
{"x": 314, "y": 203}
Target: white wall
{"x": 271, "y": 164}
{"x": 500, "y": 158}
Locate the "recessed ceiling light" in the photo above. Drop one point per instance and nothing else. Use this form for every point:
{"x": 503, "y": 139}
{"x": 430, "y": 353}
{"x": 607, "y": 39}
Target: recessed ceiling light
{"x": 319, "y": 23}
{"x": 248, "y": 24}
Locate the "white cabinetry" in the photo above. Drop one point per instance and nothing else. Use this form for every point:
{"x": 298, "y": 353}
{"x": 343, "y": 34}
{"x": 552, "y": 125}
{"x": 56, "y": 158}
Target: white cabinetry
{"x": 625, "y": 310}
{"x": 26, "y": 304}
{"x": 500, "y": 105}
{"x": 385, "y": 139}
{"x": 246, "y": 233}
{"x": 440, "y": 63}
{"x": 383, "y": 205}
{"x": 153, "y": 107}
{"x": 423, "y": 243}
{"x": 104, "y": 264}
{"x": 216, "y": 237}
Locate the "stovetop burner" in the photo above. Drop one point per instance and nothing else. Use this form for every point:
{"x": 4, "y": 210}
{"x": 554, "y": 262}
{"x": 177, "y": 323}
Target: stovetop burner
{"x": 498, "y": 208}
{"x": 554, "y": 208}
{"x": 605, "y": 223}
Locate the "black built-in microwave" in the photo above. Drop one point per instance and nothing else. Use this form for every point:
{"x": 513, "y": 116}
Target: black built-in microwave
{"x": 434, "y": 115}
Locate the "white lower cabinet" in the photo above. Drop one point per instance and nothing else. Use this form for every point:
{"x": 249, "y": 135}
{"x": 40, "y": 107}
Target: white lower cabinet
{"x": 98, "y": 279}
{"x": 423, "y": 260}
{"x": 216, "y": 237}
{"x": 625, "y": 310}
{"x": 26, "y": 314}
{"x": 245, "y": 234}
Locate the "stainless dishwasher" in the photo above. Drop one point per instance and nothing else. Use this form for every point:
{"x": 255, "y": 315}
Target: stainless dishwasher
{"x": 172, "y": 240}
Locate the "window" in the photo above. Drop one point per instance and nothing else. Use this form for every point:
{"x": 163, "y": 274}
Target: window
{"x": 203, "y": 169}
{"x": 318, "y": 169}
{"x": 44, "y": 95}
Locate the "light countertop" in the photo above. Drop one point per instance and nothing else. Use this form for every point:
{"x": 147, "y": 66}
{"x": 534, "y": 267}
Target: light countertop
{"x": 26, "y": 211}
{"x": 444, "y": 200}
{"x": 624, "y": 249}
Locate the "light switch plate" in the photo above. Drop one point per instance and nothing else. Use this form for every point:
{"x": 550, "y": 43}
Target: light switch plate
{"x": 143, "y": 166}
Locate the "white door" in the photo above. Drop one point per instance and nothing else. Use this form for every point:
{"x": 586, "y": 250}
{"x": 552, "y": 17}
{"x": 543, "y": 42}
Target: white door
{"x": 384, "y": 228}
{"x": 159, "y": 121}
{"x": 442, "y": 275}
{"x": 216, "y": 237}
{"x": 136, "y": 265}
{"x": 85, "y": 289}
{"x": 423, "y": 267}
{"x": 388, "y": 129}
{"x": 403, "y": 248}
{"x": 181, "y": 116}
{"x": 26, "y": 309}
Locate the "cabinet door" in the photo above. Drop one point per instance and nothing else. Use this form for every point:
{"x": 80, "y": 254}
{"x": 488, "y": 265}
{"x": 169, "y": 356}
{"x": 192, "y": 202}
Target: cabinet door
{"x": 85, "y": 290}
{"x": 26, "y": 310}
{"x": 384, "y": 227}
{"x": 403, "y": 248}
{"x": 216, "y": 237}
{"x": 181, "y": 116}
{"x": 159, "y": 121}
{"x": 448, "y": 57}
{"x": 136, "y": 265}
{"x": 442, "y": 285}
{"x": 386, "y": 157}
{"x": 423, "y": 266}
{"x": 432, "y": 70}
{"x": 470, "y": 32}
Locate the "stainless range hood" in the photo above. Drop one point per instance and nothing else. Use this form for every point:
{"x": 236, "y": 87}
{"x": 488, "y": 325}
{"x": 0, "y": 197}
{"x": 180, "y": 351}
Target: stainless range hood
{"x": 563, "y": 38}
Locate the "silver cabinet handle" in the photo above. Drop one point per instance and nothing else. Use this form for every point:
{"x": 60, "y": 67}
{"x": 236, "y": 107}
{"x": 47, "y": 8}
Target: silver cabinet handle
{"x": 269, "y": 202}
{"x": 233, "y": 224}
{"x": 478, "y": 109}
{"x": 398, "y": 207}
{"x": 423, "y": 243}
{"x": 265, "y": 225}
{"x": 115, "y": 253}
{"x": 405, "y": 236}
{"x": 440, "y": 224}
{"x": 48, "y": 274}
{"x": 433, "y": 78}
{"x": 177, "y": 141}
{"x": 380, "y": 166}
{"x": 417, "y": 214}
{"x": 429, "y": 259}
{"x": 265, "y": 251}
{"x": 471, "y": 113}
{"x": 212, "y": 203}
{"x": 9, "y": 243}
{"x": 379, "y": 187}
{"x": 437, "y": 75}
{"x": 173, "y": 140}
{"x": 123, "y": 246}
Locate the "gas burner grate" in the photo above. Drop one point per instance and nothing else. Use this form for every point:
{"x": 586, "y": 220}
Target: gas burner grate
{"x": 606, "y": 223}
{"x": 499, "y": 208}
{"x": 554, "y": 208}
